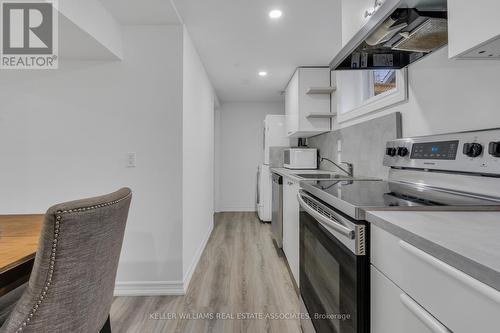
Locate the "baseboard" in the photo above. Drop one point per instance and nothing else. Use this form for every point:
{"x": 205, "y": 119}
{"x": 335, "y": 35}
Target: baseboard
{"x": 163, "y": 288}
{"x": 196, "y": 259}
{"x": 149, "y": 288}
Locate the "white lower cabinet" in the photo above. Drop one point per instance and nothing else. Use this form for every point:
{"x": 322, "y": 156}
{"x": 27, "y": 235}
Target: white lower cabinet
{"x": 291, "y": 225}
{"x": 393, "y": 311}
{"x": 455, "y": 299}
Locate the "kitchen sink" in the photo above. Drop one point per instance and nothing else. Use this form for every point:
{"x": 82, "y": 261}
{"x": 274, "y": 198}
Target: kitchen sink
{"x": 321, "y": 176}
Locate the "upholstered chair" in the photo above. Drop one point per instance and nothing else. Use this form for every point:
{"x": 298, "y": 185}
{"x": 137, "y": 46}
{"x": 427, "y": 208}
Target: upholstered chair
{"x": 71, "y": 285}
{"x": 7, "y": 302}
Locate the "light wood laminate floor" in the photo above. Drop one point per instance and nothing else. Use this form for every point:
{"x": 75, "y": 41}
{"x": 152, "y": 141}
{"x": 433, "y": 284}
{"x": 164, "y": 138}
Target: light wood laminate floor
{"x": 239, "y": 273}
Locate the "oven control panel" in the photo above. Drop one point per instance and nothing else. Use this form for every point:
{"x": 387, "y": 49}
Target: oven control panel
{"x": 445, "y": 150}
{"x": 470, "y": 152}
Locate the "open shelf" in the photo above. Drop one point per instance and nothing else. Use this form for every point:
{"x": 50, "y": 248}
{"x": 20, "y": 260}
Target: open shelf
{"x": 320, "y": 90}
{"x": 322, "y": 115}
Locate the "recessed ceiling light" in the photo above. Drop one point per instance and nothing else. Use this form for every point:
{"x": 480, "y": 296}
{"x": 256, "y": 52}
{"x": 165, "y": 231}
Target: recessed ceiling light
{"x": 275, "y": 13}
{"x": 262, "y": 73}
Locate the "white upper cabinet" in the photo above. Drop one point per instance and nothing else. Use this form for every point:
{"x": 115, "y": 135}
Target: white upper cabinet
{"x": 353, "y": 17}
{"x": 474, "y": 29}
{"x": 292, "y": 104}
{"x": 307, "y": 102}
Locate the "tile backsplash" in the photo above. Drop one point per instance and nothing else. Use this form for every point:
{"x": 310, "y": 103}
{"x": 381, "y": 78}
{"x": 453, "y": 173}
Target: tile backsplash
{"x": 362, "y": 145}
{"x": 276, "y": 156}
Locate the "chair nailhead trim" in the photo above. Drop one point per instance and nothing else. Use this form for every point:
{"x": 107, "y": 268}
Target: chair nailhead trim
{"x": 82, "y": 209}
{"x": 52, "y": 261}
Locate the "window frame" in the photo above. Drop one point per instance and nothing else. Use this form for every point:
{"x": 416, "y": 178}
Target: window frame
{"x": 376, "y": 103}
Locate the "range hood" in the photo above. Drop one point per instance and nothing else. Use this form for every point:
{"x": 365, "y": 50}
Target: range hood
{"x": 397, "y": 34}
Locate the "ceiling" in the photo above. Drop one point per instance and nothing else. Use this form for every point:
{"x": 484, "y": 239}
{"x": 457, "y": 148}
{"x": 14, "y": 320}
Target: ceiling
{"x": 236, "y": 38}
{"x": 135, "y": 12}
{"x": 79, "y": 44}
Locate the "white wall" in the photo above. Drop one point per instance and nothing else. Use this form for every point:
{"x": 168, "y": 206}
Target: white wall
{"x": 91, "y": 17}
{"x": 64, "y": 135}
{"x": 241, "y": 149}
{"x": 198, "y": 158}
{"x": 444, "y": 95}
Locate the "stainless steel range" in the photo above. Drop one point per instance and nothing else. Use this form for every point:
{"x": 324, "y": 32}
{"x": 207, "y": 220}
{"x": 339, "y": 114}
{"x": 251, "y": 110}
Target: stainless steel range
{"x": 459, "y": 171}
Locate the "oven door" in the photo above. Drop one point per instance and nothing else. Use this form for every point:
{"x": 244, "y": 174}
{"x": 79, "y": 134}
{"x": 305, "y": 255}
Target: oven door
{"x": 334, "y": 270}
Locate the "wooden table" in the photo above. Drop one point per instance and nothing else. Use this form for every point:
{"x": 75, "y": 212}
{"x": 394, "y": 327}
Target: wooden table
{"x": 19, "y": 236}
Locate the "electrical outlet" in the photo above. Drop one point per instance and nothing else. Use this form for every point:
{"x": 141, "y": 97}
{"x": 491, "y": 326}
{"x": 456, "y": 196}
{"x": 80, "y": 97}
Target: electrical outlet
{"x": 131, "y": 160}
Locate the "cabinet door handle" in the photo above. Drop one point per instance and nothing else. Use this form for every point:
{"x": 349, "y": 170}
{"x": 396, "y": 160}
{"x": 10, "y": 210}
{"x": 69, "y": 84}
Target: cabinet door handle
{"x": 425, "y": 317}
{"x": 454, "y": 273}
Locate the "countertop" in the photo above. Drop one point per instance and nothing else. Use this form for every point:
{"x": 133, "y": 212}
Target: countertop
{"x": 468, "y": 241}
{"x": 291, "y": 173}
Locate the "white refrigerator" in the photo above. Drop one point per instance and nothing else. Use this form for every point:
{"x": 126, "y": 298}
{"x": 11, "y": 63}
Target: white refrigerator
{"x": 274, "y": 136}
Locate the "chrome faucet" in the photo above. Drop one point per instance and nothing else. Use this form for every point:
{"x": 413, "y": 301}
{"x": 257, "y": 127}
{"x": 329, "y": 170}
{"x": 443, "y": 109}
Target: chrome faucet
{"x": 350, "y": 166}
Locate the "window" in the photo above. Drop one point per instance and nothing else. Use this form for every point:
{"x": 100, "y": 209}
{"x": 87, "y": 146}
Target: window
{"x": 366, "y": 91}
{"x": 382, "y": 81}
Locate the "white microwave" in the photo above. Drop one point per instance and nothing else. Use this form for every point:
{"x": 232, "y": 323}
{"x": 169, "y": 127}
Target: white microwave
{"x": 300, "y": 158}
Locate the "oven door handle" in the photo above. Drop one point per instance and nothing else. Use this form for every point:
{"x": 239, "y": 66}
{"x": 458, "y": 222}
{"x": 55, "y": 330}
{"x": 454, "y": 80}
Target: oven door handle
{"x": 335, "y": 225}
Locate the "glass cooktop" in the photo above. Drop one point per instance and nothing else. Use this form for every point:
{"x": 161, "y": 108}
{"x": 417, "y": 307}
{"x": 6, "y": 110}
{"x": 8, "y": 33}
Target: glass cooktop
{"x": 350, "y": 196}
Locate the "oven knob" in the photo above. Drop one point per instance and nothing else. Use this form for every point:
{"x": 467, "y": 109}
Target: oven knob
{"x": 391, "y": 151}
{"x": 473, "y": 149}
{"x": 402, "y": 151}
{"x": 495, "y": 149}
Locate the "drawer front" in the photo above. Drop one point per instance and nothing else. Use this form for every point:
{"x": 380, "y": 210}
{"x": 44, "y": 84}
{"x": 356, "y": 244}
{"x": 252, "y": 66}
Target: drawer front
{"x": 394, "y": 311}
{"x": 460, "y": 302}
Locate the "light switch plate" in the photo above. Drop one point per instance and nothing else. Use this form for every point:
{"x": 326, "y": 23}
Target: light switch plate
{"x": 131, "y": 160}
